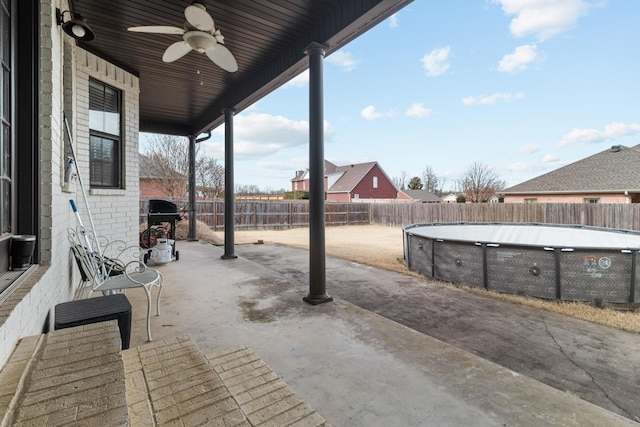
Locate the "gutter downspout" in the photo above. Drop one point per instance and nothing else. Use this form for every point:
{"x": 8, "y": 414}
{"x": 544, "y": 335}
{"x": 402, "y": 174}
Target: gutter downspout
{"x": 192, "y": 184}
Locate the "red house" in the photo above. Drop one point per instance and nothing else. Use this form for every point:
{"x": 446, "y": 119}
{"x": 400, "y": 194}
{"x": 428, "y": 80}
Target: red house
{"x": 363, "y": 181}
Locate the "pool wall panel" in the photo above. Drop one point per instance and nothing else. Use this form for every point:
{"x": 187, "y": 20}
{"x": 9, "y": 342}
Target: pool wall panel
{"x": 421, "y": 259}
{"x": 590, "y": 275}
{"x": 523, "y": 271}
{"x": 459, "y": 263}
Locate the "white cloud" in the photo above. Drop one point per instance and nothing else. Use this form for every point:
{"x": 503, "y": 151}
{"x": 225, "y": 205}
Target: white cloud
{"x": 436, "y": 62}
{"x": 393, "y": 21}
{"x": 290, "y": 165}
{"x": 520, "y": 59}
{"x": 343, "y": 60}
{"x": 417, "y": 109}
{"x": 259, "y": 135}
{"x": 529, "y": 148}
{"x": 548, "y": 162}
{"x": 593, "y": 136}
{"x": 543, "y": 18}
{"x": 300, "y": 80}
{"x": 522, "y": 167}
{"x": 491, "y": 99}
{"x": 370, "y": 113}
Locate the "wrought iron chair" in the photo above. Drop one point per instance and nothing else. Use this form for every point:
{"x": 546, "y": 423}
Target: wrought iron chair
{"x": 109, "y": 266}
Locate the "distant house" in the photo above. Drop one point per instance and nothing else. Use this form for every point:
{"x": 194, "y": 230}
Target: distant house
{"x": 450, "y": 198}
{"x": 418, "y": 196}
{"x": 611, "y": 176}
{"x": 363, "y": 181}
{"x": 154, "y": 183}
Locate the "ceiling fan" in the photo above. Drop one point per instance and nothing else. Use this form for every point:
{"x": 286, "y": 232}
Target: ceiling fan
{"x": 198, "y": 33}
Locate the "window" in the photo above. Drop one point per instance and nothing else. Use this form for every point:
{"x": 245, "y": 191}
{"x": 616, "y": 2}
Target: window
{"x": 105, "y": 145}
{"x": 6, "y": 116}
{"x": 592, "y": 200}
{"x": 356, "y": 196}
{"x": 531, "y": 200}
{"x": 19, "y": 74}
{"x": 375, "y": 182}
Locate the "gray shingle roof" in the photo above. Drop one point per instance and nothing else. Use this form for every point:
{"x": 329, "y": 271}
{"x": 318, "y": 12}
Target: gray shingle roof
{"x": 352, "y": 175}
{"x": 329, "y": 167}
{"x": 149, "y": 170}
{"x": 422, "y": 195}
{"x": 615, "y": 169}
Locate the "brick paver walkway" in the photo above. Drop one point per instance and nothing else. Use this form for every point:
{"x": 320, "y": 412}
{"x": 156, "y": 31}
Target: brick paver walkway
{"x": 79, "y": 376}
{"x": 71, "y": 376}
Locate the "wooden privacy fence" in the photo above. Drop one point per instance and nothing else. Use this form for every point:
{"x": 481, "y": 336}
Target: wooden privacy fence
{"x": 620, "y": 216}
{"x": 255, "y": 214}
{"x": 274, "y": 214}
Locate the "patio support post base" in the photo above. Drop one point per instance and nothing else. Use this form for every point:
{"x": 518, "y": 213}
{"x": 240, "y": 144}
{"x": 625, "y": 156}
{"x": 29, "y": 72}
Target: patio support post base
{"x": 317, "y": 299}
{"x": 229, "y": 256}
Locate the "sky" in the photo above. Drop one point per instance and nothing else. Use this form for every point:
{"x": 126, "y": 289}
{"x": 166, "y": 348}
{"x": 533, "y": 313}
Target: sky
{"x": 521, "y": 86}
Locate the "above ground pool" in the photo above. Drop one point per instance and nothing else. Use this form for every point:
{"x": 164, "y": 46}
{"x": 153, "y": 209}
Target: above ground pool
{"x": 574, "y": 263}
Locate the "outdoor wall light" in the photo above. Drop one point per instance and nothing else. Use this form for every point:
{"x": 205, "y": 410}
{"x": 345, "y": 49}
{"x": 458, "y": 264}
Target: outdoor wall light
{"x": 76, "y": 27}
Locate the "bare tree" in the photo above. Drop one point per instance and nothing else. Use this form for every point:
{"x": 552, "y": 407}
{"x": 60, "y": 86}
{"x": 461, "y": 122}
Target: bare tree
{"x": 480, "y": 183}
{"x": 430, "y": 180}
{"x": 247, "y": 190}
{"x": 399, "y": 182}
{"x": 210, "y": 177}
{"x": 168, "y": 164}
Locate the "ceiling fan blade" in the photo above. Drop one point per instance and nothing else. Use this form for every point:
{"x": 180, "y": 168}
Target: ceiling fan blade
{"x": 176, "y": 51}
{"x": 198, "y": 17}
{"x": 157, "y": 29}
{"x": 223, "y": 58}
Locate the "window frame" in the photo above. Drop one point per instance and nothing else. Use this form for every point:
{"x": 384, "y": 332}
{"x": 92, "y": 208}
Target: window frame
{"x": 375, "y": 182}
{"x": 25, "y": 120}
{"x": 117, "y": 140}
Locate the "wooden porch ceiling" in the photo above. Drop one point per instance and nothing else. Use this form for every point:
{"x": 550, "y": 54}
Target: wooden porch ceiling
{"x": 267, "y": 38}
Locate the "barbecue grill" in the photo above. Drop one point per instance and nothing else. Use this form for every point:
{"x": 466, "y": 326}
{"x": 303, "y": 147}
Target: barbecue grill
{"x": 161, "y": 222}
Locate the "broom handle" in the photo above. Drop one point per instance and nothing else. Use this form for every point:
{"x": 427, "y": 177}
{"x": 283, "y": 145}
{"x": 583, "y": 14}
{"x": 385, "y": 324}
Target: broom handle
{"x": 84, "y": 193}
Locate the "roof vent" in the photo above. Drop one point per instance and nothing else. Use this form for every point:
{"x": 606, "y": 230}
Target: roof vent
{"x": 615, "y": 148}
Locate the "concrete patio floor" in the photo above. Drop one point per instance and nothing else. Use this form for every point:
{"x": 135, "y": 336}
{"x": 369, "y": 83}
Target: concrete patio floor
{"x": 355, "y": 367}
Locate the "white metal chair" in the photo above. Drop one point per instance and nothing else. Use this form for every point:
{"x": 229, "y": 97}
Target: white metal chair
{"x": 110, "y": 266}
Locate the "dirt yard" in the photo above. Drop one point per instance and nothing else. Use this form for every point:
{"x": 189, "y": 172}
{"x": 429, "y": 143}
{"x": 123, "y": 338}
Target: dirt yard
{"x": 381, "y": 247}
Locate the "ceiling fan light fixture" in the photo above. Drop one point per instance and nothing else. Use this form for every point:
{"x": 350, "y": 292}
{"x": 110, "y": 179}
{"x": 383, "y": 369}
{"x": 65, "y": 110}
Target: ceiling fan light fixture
{"x": 76, "y": 27}
{"x": 199, "y": 41}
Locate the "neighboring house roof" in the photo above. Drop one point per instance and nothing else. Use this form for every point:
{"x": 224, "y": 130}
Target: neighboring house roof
{"x": 148, "y": 170}
{"x": 422, "y": 196}
{"x": 616, "y": 169}
{"x": 299, "y": 176}
{"x": 351, "y": 176}
{"x": 343, "y": 179}
{"x": 329, "y": 167}
{"x": 450, "y": 197}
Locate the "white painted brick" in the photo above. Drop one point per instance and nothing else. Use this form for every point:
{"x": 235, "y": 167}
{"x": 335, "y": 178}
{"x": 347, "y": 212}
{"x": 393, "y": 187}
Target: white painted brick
{"x": 121, "y": 217}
